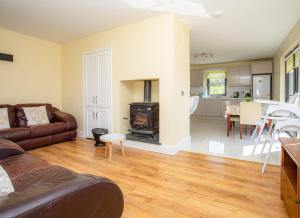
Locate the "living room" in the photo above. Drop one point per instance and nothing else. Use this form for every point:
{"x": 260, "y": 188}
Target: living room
{"x": 73, "y": 140}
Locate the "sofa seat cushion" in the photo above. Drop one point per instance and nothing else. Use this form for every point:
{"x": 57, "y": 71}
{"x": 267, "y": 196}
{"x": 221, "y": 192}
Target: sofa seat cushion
{"x": 47, "y": 129}
{"x": 44, "y": 179}
{"x": 17, "y": 166}
{"x": 15, "y": 134}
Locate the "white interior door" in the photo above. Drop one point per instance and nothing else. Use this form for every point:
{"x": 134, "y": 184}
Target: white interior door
{"x": 92, "y": 78}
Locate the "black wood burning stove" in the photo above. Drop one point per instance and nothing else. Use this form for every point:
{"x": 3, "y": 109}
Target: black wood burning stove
{"x": 144, "y": 118}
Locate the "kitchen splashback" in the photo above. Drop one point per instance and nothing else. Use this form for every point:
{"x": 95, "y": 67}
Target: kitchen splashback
{"x": 231, "y": 90}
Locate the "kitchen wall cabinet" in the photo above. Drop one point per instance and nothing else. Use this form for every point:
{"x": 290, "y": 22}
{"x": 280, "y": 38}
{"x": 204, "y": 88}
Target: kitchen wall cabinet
{"x": 233, "y": 76}
{"x": 197, "y": 78}
{"x": 265, "y": 67}
{"x": 239, "y": 76}
{"x": 245, "y": 75}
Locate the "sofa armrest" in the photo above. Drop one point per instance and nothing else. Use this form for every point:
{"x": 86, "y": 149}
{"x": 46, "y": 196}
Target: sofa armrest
{"x": 69, "y": 119}
{"x": 82, "y": 196}
{"x": 9, "y": 148}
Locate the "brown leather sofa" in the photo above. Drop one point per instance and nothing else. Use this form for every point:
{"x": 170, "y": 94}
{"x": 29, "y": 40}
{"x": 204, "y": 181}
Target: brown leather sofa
{"x": 44, "y": 190}
{"x": 62, "y": 127}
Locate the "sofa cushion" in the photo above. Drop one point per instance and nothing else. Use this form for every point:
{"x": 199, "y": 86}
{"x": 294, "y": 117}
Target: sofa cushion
{"x": 47, "y": 129}
{"x": 51, "y": 176}
{"x": 11, "y": 114}
{"x": 31, "y": 143}
{"x": 36, "y": 115}
{"x": 15, "y": 134}
{"x": 9, "y": 148}
{"x": 17, "y": 166}
{"x": 21, "y": 117}
{"x": 4, "y": 120}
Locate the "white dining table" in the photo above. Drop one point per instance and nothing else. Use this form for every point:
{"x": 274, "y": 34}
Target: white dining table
{"x": 269, "y": 102}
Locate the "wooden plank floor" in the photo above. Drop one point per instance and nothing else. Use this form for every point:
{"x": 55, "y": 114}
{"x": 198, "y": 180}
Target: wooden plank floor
{"x": 185, "y": 185}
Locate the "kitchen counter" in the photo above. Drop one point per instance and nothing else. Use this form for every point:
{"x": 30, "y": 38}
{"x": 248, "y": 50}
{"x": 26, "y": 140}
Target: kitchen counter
{"x": 222, "y": 98}
{"x": 214, "y": 108}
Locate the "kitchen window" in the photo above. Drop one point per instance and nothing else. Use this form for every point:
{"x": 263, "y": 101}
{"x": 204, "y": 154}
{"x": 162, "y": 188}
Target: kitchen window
{"x": 292, "y": 81}
{"x": 216, "y": 82}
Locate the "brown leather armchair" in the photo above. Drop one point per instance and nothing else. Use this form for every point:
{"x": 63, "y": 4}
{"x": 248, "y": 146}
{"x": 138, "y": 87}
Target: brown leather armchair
{"x": 43, "y": 190}
{"x": 62, "y": 127}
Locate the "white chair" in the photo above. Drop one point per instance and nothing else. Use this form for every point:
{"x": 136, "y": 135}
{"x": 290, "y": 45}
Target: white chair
{"x": 231, "y": 115}
{"x": 274, "y": 116}
{"x": 250, "y": 112}
{"x": 295, "y": 99}
{"x": 275, "y": 113}
{"x": 280, "y": 126}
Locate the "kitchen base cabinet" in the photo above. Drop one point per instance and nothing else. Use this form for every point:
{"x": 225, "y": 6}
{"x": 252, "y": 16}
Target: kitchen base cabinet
{"x": 96, "y": 117}
{"x": 213, "y": 108}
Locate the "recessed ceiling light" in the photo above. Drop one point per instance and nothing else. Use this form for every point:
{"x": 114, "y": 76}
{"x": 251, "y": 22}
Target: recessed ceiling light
{"x": 182, "y": 7}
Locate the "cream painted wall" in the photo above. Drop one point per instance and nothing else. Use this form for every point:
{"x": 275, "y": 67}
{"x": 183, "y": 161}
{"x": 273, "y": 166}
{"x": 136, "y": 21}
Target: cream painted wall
{"x": 127, "y": 88}
{"x": 139, "y": 91}
{"x": 142, "y": 50}
{"x": 288, "y": 44}
{"x": 35, "y": 74}
{"x": 181, "y": 81}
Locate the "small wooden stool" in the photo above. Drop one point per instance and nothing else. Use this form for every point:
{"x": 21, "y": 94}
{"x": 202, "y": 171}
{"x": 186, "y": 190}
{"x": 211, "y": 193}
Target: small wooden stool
{"x": 109, "y": 139}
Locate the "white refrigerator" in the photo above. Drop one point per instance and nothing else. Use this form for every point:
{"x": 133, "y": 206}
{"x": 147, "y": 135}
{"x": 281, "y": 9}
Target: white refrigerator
{"x": 261, "y": 86}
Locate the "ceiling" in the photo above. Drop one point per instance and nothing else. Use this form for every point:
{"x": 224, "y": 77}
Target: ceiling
{"x": 237, "y": 30}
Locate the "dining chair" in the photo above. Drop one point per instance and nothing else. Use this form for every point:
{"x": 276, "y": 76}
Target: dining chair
{"x": 250, "y": 112}
{"x": 231, "y": 115}
{"x": 288, "y": 125}
{"x": 260, "y": 125}
{"x": 274, "y": 113}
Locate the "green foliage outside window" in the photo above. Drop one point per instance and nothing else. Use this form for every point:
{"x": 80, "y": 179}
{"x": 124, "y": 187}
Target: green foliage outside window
{"x": 216, "y": 82}
{"x": 290, "y": 64}
{"x": 297, "y": 59}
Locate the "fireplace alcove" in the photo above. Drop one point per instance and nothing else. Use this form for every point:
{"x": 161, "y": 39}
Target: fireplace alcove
{"x": 142, "y": 111}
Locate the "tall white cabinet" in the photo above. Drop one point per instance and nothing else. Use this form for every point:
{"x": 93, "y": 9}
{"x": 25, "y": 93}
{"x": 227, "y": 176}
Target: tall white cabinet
{"x": 97, "y": 90}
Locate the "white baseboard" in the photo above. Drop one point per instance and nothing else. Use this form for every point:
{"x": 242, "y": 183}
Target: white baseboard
{"x": 187, "y": 141}
{"x": 80, "y": 133}
{"x": 163, "y": 148}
